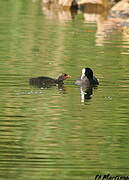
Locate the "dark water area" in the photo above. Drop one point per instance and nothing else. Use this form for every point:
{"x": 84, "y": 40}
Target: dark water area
{"x": 54, "y": 133}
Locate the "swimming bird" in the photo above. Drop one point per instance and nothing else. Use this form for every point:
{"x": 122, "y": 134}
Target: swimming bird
{"x": 87, "y": 79}
{"x": 44, "y": 81}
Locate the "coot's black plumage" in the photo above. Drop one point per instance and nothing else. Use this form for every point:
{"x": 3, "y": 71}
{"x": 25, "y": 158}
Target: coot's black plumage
{"x": 87, "y": 79}
{"x": 45, "y": 81}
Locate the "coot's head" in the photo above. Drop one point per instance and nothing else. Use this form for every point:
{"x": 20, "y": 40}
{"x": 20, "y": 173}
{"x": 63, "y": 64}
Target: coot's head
{"x": 63, "y": 76}
{"x": 87, "y": 72}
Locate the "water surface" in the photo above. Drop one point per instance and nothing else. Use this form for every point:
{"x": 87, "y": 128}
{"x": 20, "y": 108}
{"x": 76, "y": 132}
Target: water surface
{"x": 53, "y": 133}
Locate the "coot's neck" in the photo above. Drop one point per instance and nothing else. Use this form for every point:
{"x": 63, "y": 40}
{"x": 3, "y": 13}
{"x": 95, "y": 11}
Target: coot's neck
{"x": 90, "y": 78}
{"x": 59, "y": 81}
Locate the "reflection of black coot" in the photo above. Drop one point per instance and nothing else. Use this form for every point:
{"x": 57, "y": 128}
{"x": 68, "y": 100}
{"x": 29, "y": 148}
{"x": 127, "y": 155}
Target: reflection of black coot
{"x": 44, "y": 81}
{"x": 86, "y": 94}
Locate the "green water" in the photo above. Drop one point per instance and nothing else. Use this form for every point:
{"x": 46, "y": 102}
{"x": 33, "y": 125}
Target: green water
{"x": 53, "y": 133}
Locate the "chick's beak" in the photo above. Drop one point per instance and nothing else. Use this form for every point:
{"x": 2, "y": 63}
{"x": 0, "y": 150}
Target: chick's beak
{"x": 68, "y": 76}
